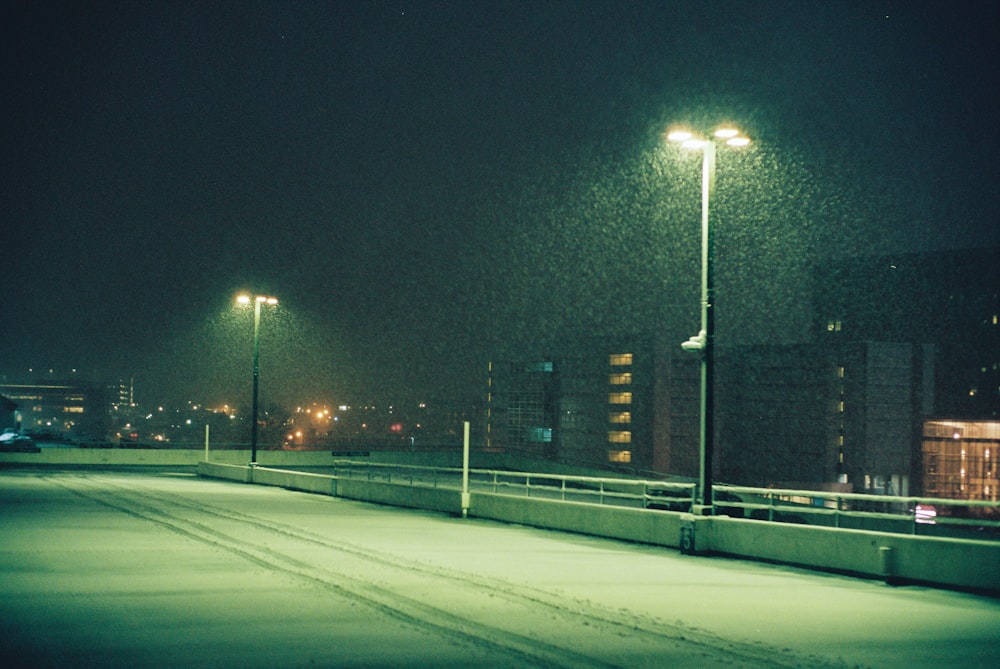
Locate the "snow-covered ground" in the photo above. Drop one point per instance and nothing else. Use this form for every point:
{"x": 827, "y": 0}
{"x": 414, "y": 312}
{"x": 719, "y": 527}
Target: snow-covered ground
{"x": 168, "y": 570}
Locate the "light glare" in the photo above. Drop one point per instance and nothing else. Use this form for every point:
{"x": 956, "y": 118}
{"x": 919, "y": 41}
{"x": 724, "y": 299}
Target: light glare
{"x": 726, "y": 133}
{"x": 738, "y": 141}
{"x": 260, "y": 299}
{"x": 694, "y": 143}
{"x": 679, "y": 135}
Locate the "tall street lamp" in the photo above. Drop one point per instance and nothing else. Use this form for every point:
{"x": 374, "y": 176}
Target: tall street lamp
{"x": 704, "y": 341}
{"x": 257, "y": 301}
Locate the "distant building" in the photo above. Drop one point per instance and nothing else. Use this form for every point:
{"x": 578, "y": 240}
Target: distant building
{"x": 59, "y": 409}
{"x": 950, "y": 299}
{"x": 896, "y": 342}
{"x": 810, "y": 416}
{"x": 819, "y": 416}
{"x": 10, "y": 417}
{"x": 598, "y": 403}
{"x": 960, "y": 459}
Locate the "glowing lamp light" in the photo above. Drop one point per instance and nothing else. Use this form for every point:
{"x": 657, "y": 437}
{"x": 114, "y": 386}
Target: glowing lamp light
{"x": 688, "y": 140}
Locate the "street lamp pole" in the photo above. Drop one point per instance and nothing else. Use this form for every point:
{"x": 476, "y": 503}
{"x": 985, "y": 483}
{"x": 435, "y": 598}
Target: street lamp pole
{"x": 256, "y": 382}
{"x": 257, "y": 302}
{"x": 704, "y": 341}
{"x": 706, "y": 430}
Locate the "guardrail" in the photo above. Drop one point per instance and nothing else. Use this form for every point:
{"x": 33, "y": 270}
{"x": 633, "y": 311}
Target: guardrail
{"x": 836, "y": 509}
{"x": 901, "y": 515}
{"x": 664, "y": 495}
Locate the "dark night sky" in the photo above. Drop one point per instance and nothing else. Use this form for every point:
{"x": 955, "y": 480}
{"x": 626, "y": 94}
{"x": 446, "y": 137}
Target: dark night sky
{"x": 424, "y": 185}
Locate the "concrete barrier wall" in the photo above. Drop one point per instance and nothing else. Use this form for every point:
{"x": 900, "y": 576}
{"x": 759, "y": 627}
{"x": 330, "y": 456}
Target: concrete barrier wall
{"x": 895, "y": 557}
{"x": 107, "y": 457}
{"x": 661, "y": 528}
{"x": 953, "y": 562}
{"x": 282, "y": 478}
{"x": 190, "y": 457}
{"x": 445, "y": 500}
{"x": 218, "y": 470}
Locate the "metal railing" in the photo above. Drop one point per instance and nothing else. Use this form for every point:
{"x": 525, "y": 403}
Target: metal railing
{"x": 584, "y": 489}
{"x": 857, "y": 510}
{"x": 909, "y": 515}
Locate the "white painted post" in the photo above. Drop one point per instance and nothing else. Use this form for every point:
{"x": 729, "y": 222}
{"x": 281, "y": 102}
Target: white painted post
{"x": 465, "y": 471}
{"x": 206, "y": 442}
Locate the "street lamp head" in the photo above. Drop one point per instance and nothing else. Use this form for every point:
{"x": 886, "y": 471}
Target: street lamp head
{"x": 688, "y": 140}
{"x": 732, "y": 136}
{"x": 244, "y": 298}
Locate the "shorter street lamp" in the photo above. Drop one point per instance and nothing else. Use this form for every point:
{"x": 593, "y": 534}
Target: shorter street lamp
{"x": 257, "y": 301}
{"x": 704, "y": 341}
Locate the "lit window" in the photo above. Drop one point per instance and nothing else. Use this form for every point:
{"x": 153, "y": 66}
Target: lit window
{"x": 622, "y": 379}
{"x": 541, "y": 435}
{"x": 620, "y": 417}
{"x": 620, "y": 359}
{"x": 619, "y": 437}
{"x": 619, "y": 398}
{"x": 620, "y": 456}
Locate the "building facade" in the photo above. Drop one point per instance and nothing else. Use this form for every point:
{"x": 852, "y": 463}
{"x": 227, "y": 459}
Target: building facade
{"x": 960, "y": 459}
{"x": 601, "y": 403}
{"x": 809, "y": 416}
{"x": 821, "y": 416}
{"x": 949, "y": 299}
{"x": 59, "y": 409}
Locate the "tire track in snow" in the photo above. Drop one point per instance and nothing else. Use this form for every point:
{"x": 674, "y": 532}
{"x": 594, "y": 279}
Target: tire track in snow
{"x": 484, "y": 612}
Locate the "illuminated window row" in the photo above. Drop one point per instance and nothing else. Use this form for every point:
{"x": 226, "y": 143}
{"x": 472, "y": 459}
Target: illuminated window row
{"x": 619, "y": 398}
{"x": 619, "y": 437}
{"x": 620, "y": 359}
